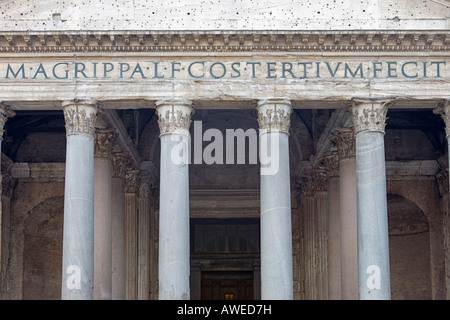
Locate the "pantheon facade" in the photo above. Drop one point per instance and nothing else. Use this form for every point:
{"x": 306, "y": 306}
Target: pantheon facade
{"x": 228, "y": 150}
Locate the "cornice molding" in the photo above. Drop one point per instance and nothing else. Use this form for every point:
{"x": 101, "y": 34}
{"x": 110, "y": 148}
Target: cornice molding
{"x": 224, "y": 41}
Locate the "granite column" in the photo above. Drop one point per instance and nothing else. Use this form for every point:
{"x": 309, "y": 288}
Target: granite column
{"x": 369, "y": 118}
{"x": 276, "y": 233}
{"x": 174, "y": 119}
{"x": 344, "y": 139}
{"x": 103, "y": 211}
{"x": 78, "y": 231}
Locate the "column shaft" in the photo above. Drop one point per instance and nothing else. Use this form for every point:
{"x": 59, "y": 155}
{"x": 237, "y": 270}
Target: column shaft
{"x": 121, "y": 161}
{"x": 321, "y": 219}
{"x": 276, "y": 231}
{"x": 174, "y": 243}
{"x": 118, "y": 239}
{"x": 102, "y": 214}
{"x": 334, "y": 227}
{"x": 334, "y": 238}
{"x": 131, "y": 233}
{"x": 78, "y": 233}
{"x": 5, "y": 113}
{"x": 344, "y": 139}
{"x": 309, "y": 245}
{"x": 373, "y": 235}
{"x": 143, "y": 239}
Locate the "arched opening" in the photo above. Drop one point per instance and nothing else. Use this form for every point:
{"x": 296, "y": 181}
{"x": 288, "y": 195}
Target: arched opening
{"x": 42, "y": 258}
{"x": 409, "y": 247}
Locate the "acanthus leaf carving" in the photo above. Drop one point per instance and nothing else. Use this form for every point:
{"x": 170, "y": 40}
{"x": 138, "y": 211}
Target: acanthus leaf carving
{"x": 274, "y": 115}
{"x": 369, "y": 114}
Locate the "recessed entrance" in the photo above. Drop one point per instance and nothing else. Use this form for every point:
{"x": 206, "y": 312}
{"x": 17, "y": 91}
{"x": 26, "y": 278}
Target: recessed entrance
{"x": 225, "y": 258}
{"x": 227, "y": 285}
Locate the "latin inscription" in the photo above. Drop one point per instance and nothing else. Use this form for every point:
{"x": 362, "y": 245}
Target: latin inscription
{"x": 203, "y": 69}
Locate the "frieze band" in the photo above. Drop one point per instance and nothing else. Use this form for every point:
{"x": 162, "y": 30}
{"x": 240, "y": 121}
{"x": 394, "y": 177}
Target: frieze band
{"x": 204, "y": 69}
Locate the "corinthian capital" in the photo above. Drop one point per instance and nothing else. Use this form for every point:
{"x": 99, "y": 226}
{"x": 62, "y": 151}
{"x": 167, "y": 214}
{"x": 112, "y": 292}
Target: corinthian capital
{"x": 80, "y": 115}
{"x": 174, "y": 115}
{"x": 103, "y": 143}
{"x": 344, "y": 139}
{"x": 5, "y": 113}
{"x": 443, "y": 109}
{"x": 274, "y": 114}
{"x": 369, "y": 114}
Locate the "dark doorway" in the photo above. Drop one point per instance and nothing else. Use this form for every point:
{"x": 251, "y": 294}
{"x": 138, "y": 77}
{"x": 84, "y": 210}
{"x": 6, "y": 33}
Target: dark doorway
{"x": 227, "y": 285}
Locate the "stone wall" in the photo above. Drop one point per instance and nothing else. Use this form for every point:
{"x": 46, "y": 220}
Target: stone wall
{"x": 34, "y": 268}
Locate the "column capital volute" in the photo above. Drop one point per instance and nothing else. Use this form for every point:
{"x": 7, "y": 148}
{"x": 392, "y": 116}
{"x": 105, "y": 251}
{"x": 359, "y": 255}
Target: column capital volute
{"x": 443, "y": 109}
{"x": 274, "y": 115}
{"x": 369, "y": 114}
{"x": 174, "y": 115}
{"x": 80, "y": 115}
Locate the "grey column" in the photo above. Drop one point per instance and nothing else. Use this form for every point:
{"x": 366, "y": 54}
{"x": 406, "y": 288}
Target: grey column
{"x": 102, "y": 212}
{"x": 5, "y": 113}
{"x": 443, "y": 109}
{"x": 369, "y": 117}
{"x": 321, "y": 231}
{"x": 131, "y": 186}
{"x": 174, "y": 118}
{"x": 121, "y": 161}
{"x": 143, "y": 238}
{"x": 78, "y": 233}
{"x": 344, "y": 138}
{"x": 276, "y": 233}
{"x": 331, "y": 162}
{"x": 308, "y": 238}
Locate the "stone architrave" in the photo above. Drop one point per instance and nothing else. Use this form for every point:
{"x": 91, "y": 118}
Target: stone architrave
{"x": 174, "y": 119}
{"x": 276, "y": 233}
{"x": 369, "y": 119}
{"x": 78, "y": 233}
